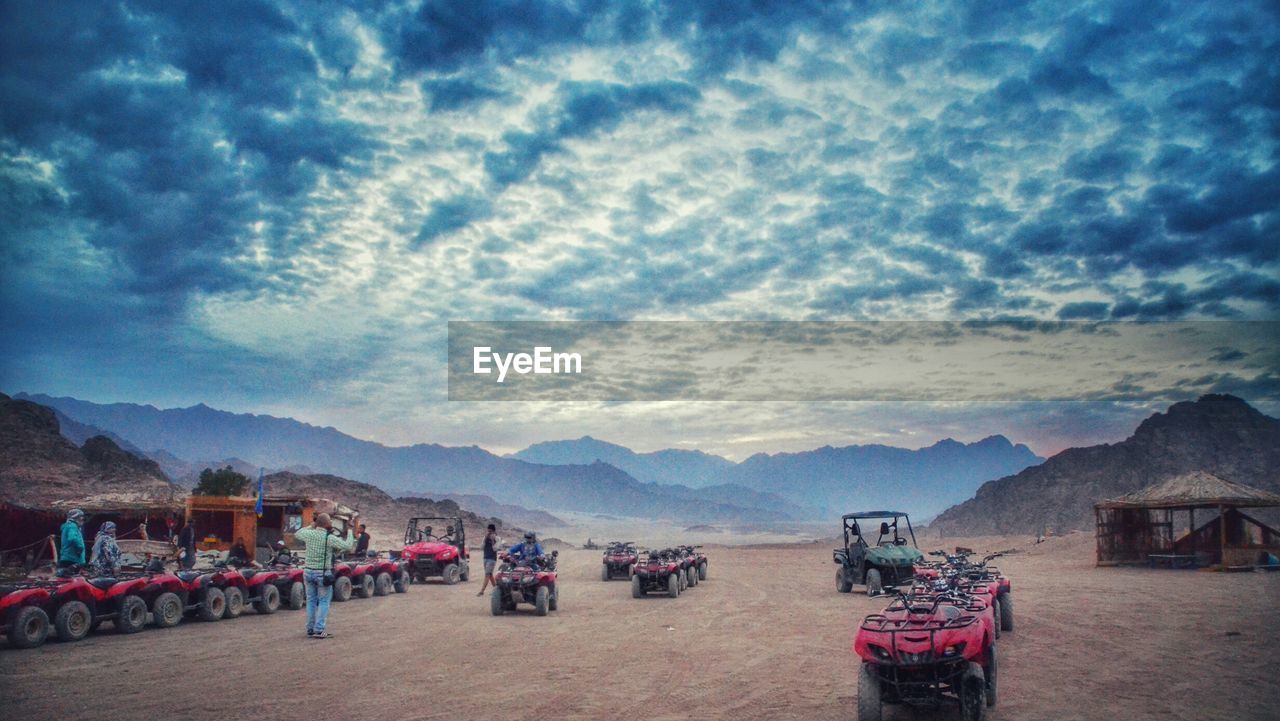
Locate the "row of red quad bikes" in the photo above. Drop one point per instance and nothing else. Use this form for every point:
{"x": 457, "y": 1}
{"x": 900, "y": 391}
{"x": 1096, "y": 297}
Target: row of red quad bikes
{"x": 935, "y": 644}
{"x": 70, "y": 608}
{"x": 660, "y": 571}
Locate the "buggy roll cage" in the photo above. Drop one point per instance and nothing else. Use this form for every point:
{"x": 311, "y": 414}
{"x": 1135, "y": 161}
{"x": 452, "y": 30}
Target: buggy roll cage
{"x": 412, "y": 533}
{"x": 885, "y": 528}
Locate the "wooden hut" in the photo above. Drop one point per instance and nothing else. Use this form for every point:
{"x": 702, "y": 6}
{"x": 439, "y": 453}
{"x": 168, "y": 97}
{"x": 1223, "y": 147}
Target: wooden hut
{"x": 1139, "y": 528}
{"x": 220, "y": 520}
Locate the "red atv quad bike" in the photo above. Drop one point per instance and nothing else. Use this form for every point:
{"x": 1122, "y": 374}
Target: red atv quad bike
{"x": 972, "y": 598}
{"x": 700, "y": 562}
{"x": 234, "y": 587}
{"x": 1001, "y": 588}
{"x": 958, "y": 569}
{"x": 289, "y": 579}
{"x": 659, "y": 573}
{"x": 363, "y": 572}
{"x": 23, "y": 619}
{"x": 689, "y": 560}
{"x": 532, "y": 582}
{"x": 926, "y": 652}
{"x": 388, "y": 575}
{"x": 78, "y": 605}
{"x": 343, "y": 582}
{"x": 619, "y": 557}
{"x": 261, "y": 589}
{"x": 436, "y": 546}
{"x": 202, "y": 598}
{"x": 293, "y": 589}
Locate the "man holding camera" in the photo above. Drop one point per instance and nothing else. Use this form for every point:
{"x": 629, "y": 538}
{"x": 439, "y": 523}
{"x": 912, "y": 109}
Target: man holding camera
{"x": 322, "y": 544}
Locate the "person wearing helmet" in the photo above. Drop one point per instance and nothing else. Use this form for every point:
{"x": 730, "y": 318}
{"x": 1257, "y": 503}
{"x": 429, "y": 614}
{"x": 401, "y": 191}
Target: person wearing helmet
{"x": 528, "y": 550}
{"x": 106, "y": 554}
{"x": 71, "y": 551}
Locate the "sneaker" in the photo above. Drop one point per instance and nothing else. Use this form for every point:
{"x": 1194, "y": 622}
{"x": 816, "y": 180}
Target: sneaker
{"x": 480, "y": 593}
{"x": 310, "y": 633}
{"x": 322, "y": 635}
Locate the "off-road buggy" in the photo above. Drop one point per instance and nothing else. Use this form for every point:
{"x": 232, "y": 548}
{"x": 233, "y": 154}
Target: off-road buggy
{"x": 619, "y": 557}
{"x": 885, "y": 563}
{"x": 661, "y": 572}
{"x": 436, "y": 546}
{"x": 927, "y": 650}
{"x": 532, "y": 582}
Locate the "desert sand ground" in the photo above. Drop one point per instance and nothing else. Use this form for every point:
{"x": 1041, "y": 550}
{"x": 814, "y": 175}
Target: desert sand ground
{"x": 766, "y": 637}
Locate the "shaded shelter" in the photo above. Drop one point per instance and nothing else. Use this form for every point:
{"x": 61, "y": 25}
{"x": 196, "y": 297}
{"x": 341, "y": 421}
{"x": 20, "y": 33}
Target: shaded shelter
{"x": 1140, "y": 527}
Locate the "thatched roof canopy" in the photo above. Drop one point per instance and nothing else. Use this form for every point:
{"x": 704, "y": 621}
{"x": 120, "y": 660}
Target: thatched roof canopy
{"x": 1197, "y": 489}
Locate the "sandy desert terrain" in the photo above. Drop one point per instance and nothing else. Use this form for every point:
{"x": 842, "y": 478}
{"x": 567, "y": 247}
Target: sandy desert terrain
{"x": 766, "y": 637}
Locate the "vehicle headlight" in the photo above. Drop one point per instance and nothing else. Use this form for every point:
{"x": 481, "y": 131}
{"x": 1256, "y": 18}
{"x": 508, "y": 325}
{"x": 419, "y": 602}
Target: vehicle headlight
{"x": 880, "y": 652}
{"x": 953, "y": 650}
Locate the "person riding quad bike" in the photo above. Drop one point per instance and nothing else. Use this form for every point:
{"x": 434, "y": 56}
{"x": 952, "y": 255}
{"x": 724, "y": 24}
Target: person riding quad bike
{"x": 528, "y": 551}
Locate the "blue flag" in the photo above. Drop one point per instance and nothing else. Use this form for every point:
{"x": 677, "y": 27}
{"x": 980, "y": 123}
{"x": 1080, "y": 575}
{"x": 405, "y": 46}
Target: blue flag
{"x": 257, "y": 507}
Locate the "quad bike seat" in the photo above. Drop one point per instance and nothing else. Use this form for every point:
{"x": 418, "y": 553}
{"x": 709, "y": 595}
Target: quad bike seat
{"x": 248, "y": 573}
{"x": 103, "y": 582}
{"x": 187, "y": 576}
{"x": 6, "y": 590}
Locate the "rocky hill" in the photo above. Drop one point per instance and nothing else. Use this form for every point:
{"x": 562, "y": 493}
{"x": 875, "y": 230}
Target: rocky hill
{"x": 384, "y": 515}
{"x": 38, "y": 465}
{"x": 1220, "y": 434}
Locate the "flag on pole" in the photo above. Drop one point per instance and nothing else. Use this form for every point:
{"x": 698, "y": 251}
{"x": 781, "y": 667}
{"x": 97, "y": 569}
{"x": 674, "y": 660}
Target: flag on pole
{"x": 257, "y": 507}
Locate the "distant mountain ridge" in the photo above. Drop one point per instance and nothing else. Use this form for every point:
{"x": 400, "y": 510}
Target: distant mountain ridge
{"x": 763, "y": 488}
{"x": 668, "y": 466}
{"x": 429, "y": 469}
{"x": 1221, "y": 434}
{"x": 816, "y": 482}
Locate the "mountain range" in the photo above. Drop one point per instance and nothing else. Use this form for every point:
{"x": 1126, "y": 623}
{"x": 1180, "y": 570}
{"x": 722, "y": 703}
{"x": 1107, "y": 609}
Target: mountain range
{"x": 1221, "y": 434}
{"x": 818, "y": 482}
{"x": 38, "y": 465}
{"x": 571, "y": 475}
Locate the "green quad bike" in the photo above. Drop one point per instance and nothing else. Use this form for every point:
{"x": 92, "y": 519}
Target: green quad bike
{"x": 888, "y": 562}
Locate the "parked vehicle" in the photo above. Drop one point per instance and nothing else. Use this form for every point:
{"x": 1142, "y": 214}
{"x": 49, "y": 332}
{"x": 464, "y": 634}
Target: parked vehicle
{"x": 926, "y": 651}
{"x": 201, "y": 597}
{"x": 619, "y": 557}
{"x": 660, "y": 572}
{"x": 23, "y": 619}
{"x": 533, "y": 582}
{"x": 430, "y": 551}
{"x": 885, "y": 563}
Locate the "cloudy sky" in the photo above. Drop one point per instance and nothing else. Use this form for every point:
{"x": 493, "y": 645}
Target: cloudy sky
{"x": 277, "y": 207}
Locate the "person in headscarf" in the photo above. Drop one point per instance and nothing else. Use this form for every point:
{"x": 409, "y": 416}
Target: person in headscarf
{"x": 106, "y": 554}
{"x": 71, "y": 551}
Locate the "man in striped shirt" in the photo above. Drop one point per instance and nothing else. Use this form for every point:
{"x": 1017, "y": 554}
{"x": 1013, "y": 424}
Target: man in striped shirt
{"x": 322, "y": 545}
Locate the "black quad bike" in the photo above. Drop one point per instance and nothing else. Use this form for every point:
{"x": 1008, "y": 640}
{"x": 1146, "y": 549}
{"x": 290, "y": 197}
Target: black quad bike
{"x": 887, "y": 562}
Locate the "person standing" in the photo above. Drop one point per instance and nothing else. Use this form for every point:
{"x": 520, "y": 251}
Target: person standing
{"x": 71, "y": 550}
{"x": 362, "y": 542}
{"x": 317, "y": 573}
{"x": 490, "y": 558}
{"x": 187, "y": 545}
{"x": 106, "y": 554}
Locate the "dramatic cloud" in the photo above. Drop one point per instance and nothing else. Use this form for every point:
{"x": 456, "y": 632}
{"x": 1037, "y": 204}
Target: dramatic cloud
{"x": 269, "y": 205}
